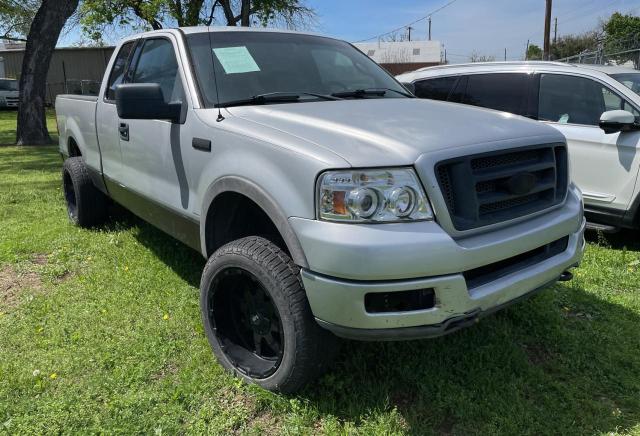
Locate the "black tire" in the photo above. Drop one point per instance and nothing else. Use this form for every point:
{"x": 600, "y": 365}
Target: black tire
{"x": 239, "y": 282}
{"x": 86, "y": 204}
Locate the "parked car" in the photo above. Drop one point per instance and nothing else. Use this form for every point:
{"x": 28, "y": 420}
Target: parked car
{"x": 328, "y": 200}
{"x": 9, "y": 94}
{"x": 597, "y": 108}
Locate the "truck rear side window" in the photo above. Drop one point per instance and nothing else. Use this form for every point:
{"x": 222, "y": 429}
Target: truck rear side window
{"x": 503, "y": 91}
{"x": 435, "y": 89}
{"x": 117, "y": 72}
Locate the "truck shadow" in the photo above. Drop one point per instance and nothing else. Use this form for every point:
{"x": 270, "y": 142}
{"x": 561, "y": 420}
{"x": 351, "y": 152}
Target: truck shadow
{"x": 562, "y": 361}
{"x": 566, "y": 360}
{"x": 624, "y": 239}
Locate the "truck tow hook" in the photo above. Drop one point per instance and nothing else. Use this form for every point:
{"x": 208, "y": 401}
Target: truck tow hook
{"x": 565, "y": 276}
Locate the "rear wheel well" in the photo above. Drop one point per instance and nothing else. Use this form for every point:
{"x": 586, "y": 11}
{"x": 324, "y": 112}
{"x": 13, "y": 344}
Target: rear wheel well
{"x": 74, "y": 150}
{"x": 233, "y": 216}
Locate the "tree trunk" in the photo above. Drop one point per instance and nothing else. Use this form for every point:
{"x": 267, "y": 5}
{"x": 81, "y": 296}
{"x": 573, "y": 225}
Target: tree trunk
{"x": 245, "y": 13}
{"x": 41, "y": 41}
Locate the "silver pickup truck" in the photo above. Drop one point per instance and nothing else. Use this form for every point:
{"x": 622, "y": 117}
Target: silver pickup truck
{"x": 328, "y": 201}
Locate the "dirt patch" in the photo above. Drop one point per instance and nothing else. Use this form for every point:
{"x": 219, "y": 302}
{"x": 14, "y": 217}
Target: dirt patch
{"x": 14, "y": 284}
{"x": 40, "y": 259}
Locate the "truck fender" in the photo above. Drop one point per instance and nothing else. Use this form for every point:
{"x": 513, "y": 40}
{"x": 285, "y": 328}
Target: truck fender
{"x": 264, "y": 201}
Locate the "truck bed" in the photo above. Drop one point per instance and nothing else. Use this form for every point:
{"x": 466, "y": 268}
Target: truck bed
{"x": 77, "y": 113}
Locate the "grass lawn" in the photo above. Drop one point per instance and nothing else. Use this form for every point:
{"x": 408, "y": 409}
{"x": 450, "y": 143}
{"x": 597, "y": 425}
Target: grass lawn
{"x": 8, "y": 126}
{"x": 100, "y": 333}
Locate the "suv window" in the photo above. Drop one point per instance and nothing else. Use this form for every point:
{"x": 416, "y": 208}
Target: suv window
{"x": 501, "y": 91}
{"x": 577, "y": 100}
{"x": 158, "y": 64}
{"x": 117, "y": 72}
{"x": 435, "y": 89}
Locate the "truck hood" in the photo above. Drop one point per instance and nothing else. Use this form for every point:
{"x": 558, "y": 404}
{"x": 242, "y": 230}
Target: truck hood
{"x": 392, "y": 131}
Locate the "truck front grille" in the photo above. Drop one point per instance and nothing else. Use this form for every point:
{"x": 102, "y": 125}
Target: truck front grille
{"x": 489, "y": 188}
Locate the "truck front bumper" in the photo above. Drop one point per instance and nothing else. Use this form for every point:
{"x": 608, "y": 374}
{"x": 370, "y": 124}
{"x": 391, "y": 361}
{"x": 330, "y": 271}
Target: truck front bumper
{"x": 348, "y": 262}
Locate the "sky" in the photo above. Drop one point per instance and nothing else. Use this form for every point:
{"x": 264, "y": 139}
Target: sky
{"x": 484, "y": 26}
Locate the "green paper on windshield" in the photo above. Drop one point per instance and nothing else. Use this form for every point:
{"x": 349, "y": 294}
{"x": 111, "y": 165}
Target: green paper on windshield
{"x": 236, "y": 60}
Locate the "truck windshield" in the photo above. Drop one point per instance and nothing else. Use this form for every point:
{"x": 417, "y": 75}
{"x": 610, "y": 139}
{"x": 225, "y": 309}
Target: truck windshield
{"x": 8, "y": 85}
{"x": 250, "y": 67}
{"x": 630, "y": 80}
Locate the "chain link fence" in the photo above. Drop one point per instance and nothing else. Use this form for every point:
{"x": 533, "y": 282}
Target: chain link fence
{"x": 71, "y": 86}
{"x": 617, "y": 52}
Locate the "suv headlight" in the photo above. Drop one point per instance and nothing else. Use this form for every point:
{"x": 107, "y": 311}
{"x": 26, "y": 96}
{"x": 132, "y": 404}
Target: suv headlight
{"x": 373, "y": 195}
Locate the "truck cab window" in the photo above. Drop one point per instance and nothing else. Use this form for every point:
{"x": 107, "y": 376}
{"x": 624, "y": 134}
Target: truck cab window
{"x": 435, "y": 89}
{"x": 117, "y": 72}
{"x": 158, "y": 64}
{"x": 503, "y": 91}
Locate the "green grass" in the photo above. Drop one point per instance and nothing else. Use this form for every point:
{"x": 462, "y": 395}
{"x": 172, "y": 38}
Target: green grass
{"x": 8, "y": 126}
{"x": 102, "y": 334}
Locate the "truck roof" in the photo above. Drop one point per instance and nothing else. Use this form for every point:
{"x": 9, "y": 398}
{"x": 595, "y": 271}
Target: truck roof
{"x": 214, "y": 29}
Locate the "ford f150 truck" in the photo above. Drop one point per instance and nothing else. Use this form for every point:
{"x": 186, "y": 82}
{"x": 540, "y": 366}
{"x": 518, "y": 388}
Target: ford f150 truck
{"x": 328, "y": 201}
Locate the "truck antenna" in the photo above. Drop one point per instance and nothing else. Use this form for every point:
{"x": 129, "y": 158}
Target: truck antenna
{"x": 215, "y": 79}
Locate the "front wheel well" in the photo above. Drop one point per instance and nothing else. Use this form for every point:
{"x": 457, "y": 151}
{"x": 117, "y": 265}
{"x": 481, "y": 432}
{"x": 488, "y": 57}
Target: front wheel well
{"x": 74, "y": 150}
{"x": 233, "y": 216}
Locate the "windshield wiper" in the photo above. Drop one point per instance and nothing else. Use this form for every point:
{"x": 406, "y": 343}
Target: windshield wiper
{"x": 275, "y": 97}
{"x": 363, "y": 93}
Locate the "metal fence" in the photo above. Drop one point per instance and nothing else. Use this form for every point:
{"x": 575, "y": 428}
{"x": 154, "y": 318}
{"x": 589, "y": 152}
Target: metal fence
{"x": 71, "y": 86}
{"x": 600, "y": 57}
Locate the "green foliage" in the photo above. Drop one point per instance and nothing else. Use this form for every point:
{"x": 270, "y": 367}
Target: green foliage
{"x": 108, "y": 340}
{"x": 622, "y": 33}
{"x": 98, "y": 15}
{"x": 534, "y": 53}
{"x": 571, "y": 45}
{"x": 15, "y": 17}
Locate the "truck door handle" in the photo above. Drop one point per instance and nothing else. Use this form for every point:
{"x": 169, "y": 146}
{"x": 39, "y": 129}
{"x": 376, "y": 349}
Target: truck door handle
{"x": 123, "y": 128}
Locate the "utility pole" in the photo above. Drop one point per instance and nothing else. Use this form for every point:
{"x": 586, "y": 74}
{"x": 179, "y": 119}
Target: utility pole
{"x": 429, "y": 27}
{"x": 526, "y": 51}
{"x": 547, "y": 31}
{"x": 409, "y": 29}
{"x": 505, "y": 55}
{"x": 555, "y": 31}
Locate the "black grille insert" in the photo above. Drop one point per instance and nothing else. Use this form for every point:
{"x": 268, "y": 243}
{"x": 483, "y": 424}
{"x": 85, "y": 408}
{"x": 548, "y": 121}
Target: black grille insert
{"x": 485, "y": 189}
{"x": 488, "y": 273}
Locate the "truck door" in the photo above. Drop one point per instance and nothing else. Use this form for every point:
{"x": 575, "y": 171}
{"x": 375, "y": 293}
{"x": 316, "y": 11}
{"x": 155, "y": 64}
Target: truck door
{"x": 107, "y": 120}
{"x": 152, "y": 154}
{"x": 604, "y": 166}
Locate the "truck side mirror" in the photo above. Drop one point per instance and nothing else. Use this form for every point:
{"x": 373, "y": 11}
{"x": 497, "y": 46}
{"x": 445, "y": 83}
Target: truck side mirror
{"x": 618, "y": 121}
{"x": 144, "y": 101}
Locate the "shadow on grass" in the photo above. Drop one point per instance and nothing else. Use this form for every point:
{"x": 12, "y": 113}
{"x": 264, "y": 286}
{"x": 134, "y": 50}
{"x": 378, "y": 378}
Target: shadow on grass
{"x": 560, "y": 362}
{"x": 625, "y": 238}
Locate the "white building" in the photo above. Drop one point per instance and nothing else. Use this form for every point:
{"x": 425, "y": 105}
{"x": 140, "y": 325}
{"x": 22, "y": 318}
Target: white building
{"x": 401, "y": 56}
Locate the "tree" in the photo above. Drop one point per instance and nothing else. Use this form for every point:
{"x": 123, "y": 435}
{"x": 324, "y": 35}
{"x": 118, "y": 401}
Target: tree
{"x": 534, "y": 53}
{"x": 15, "y": 18}
{"x": 571, "y": 45}
{"x": 477, "y": 57}
{"x": 96, "y": 15}
{"x": 622, "y": 33}
{"x": 43, "y": 35}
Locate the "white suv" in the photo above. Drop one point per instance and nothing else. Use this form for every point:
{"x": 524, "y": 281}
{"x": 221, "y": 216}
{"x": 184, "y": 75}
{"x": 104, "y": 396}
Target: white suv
{"x": 596, "y": 107}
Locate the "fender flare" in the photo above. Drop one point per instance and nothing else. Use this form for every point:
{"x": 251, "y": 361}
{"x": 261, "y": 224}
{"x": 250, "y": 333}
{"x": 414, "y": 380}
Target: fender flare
{"x": 252, "y": 191}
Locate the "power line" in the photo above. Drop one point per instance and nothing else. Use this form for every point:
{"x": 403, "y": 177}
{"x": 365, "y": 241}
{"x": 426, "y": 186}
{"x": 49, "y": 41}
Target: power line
{"x": 410, "y": 24}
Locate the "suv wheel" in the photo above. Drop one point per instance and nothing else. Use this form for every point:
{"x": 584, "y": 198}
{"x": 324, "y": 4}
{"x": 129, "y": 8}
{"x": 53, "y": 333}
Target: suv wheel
{"x": 86, "y": 205}
{"x": 257, "y": 317}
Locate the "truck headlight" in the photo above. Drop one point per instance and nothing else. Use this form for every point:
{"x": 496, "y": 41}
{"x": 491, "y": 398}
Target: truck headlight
{"x": 373, "y": 195}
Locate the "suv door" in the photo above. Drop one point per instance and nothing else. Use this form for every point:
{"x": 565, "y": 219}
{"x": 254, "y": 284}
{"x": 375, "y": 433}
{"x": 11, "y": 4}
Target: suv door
{"x": 604, "y": 166}
{"x": 152, "y": 154}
